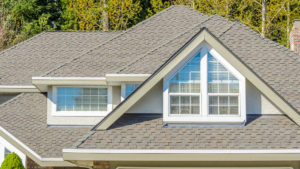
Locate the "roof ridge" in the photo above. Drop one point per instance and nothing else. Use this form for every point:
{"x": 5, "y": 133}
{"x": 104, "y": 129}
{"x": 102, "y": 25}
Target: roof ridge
{"x": 232, "y": 24}
{"x": 20, "y": 43}
{"x": 158, "y": 47}
{"x": 109, "y": 40}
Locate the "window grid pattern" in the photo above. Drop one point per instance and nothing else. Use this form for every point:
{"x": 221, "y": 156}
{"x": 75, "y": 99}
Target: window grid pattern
{"x": 82, "y": 99}
{"x": 130, "y": 88}
{"x": 223, "y": 89}
{"x": 184, "y": 89}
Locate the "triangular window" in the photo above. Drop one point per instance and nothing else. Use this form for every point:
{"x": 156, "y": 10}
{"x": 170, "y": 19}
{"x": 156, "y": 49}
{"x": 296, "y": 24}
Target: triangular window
{"x": 204, "y": 88}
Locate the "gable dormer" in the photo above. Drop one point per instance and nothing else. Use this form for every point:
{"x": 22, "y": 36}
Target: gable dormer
{"x": 204, "y": 88}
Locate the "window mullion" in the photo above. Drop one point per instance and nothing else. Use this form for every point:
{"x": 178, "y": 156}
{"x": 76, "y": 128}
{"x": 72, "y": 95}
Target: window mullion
{"x": 203, "y": 80}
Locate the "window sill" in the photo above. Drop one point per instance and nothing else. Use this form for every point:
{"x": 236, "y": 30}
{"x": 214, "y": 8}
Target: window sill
{"x": 79, "y": 114}
{"x": 205, "y": 120}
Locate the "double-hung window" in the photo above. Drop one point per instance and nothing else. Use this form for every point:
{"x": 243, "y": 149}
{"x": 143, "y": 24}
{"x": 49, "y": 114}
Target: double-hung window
{"x": 204, "y": 88}
{"x": 81, "y": 101}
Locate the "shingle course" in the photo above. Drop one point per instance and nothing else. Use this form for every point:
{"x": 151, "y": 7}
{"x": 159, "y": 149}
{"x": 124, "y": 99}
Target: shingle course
{"x": 134, "y": 131}
{"x": 122, "y": 50}
{"x": 44, "y": 52}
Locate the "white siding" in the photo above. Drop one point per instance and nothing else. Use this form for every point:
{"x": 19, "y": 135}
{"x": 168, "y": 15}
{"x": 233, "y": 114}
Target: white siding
{"x": 152, "y": 102}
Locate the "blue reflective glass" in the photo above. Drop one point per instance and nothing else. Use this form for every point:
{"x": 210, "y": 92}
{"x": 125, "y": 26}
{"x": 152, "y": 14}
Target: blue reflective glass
{"x": 130, "y": 88}
{"x": 220, "y": 80}
{"x": 187, "y": 80}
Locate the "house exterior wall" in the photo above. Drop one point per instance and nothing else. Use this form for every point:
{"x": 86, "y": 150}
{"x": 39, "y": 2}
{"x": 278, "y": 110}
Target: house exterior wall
{"x": 256, "y": 102}
{"x": 116, "y": 95}
{"x": 152, "y": 102}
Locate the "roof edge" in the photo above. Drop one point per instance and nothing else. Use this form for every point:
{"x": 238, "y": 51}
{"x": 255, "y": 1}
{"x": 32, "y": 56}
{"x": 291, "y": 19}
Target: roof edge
{"x": 30, "y": 153}
{"x": 184, "y": 155}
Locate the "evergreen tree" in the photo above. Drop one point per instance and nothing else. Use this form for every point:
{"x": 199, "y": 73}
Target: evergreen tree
{"x": 12, "y": 161}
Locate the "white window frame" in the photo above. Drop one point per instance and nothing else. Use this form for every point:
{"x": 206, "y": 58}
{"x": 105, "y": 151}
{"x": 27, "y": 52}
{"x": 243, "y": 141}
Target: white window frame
{"x": 123, "y": 89}
{"x": 204, "y": 116}
{"x": 80, "y": 113}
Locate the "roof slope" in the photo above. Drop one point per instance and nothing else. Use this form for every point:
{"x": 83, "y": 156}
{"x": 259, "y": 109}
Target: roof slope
{"x": 132, "y": 44}
{"x": 25, "y": 117}
{"x": 45, "y": 51}
{"x": 147, "y": 132}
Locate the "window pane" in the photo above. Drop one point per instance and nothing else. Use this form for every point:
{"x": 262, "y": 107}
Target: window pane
{"x": 213, "y": 110}
{"x": 234, "y": 110}
{"x": 130, "y": 88}
{"x": 81, "y": 99}
{"x": 220, "y": 80}
{"x": 185, "y": 110}
{"x": 187, "y": 80}
{"x": 174, "y": 100}
{"x": 195, "y": 110}
{"x": 174, "y": 110}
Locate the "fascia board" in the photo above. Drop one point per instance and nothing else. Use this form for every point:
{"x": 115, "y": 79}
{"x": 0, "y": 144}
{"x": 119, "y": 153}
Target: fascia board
{"x": 183, "y": 155}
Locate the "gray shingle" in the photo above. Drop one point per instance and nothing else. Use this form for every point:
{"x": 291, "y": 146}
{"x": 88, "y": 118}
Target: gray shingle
{"x": 25, "y": 117}
{"x": 133, "y": 131}
{"x": 44, "y": 52}
{"x": 134, "y": 43}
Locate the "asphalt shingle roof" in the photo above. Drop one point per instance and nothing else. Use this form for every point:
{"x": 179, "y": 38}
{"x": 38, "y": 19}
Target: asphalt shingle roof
{"x": 25, "y": 117}
{"x": 132, "y": 44}
{"x": 133, "y": 131}
{"x": 45, "y": 52}
{"x": 143, "y": 49}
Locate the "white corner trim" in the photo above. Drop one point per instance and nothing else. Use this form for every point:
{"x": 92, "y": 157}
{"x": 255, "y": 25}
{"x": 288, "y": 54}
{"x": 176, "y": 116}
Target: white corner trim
{"x": 34, "y": 154}
{"x": 17, "y": 89}
{"x": 192, "y": 151}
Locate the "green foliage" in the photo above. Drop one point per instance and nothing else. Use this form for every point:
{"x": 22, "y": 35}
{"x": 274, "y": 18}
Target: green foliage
{"x": 12, "y": 161}
{"x": 22, "y": 19}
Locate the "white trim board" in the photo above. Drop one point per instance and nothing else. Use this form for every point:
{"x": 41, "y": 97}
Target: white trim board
{"x": 181, "y": 155}
{"x": 42, "y": 83}
{"x": 189, "y": 151}
{"x": 17, "y": 89}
